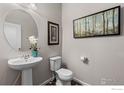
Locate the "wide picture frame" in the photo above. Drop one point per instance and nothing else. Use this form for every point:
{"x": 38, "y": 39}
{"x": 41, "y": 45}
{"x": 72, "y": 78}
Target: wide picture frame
{"x": 103, "y": 23}
{"x": 53, "y": 33}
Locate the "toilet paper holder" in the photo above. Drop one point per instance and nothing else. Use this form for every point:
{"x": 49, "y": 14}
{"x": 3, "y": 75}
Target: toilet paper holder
{"x": 84, "y": 59}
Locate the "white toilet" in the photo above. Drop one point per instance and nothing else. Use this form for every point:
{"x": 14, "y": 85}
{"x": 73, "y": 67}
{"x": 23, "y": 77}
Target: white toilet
{"x": 64, "y": 76}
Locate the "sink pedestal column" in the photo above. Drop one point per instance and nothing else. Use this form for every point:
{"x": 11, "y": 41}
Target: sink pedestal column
{"x": 27, "y": 77}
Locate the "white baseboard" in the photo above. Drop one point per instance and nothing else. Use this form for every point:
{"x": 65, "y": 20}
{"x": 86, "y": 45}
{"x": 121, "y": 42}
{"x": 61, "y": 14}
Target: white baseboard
{"x": 82, "y": 82}
{"x": 48, "y": 80}
{"x": 74, "y": 78}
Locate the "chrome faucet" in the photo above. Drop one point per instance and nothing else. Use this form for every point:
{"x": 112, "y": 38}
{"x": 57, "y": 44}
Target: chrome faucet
{"x": 26, "y": 56}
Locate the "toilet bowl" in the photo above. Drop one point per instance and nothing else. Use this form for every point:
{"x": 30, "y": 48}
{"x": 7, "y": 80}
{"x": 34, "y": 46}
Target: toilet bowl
{"x": 63, "y": 76}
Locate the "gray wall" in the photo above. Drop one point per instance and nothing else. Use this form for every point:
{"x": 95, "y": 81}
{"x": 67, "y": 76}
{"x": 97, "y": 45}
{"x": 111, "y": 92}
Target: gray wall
{"x": 51, "y": 12}
{"x": 105, "y": 54}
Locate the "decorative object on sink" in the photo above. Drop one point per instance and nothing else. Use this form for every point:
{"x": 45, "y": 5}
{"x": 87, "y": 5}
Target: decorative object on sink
{"x": 53, "y": 33}
{"x": 103, "y": 23}
{"x": 34, "y": 49}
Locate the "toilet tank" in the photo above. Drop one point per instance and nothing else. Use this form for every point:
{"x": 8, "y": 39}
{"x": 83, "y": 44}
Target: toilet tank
{"x": 55, "y": 63}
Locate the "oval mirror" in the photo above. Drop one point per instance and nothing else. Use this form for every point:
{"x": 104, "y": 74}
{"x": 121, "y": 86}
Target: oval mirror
{"x": 18, "y": 26}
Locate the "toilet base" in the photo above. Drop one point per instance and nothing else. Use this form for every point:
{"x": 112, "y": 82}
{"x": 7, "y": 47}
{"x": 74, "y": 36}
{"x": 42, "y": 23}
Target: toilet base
{"x": 61, "y": 82}
{"x": 58, "y": 82}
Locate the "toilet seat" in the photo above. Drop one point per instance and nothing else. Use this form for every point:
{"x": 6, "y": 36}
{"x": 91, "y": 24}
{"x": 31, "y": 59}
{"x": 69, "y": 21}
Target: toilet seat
{"x": 64, "y": 74}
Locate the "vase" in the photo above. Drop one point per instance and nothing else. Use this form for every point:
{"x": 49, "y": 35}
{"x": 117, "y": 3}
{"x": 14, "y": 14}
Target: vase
{"x": 34, "y": 53}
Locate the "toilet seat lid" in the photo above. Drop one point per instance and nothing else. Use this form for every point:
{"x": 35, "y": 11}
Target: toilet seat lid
{"x": 64, "y": 72}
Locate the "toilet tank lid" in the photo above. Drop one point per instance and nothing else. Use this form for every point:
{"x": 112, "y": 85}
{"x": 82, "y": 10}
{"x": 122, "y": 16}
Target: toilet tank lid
{"x": 55, "y": 58}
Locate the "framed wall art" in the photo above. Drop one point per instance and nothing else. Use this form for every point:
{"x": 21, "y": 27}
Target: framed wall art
{"x": 103, "y": 23}
{"x": 53, "y": 33}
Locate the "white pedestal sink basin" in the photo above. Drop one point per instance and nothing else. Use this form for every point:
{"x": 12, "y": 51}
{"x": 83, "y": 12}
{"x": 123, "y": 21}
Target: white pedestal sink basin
{"x": 25, "y": 65}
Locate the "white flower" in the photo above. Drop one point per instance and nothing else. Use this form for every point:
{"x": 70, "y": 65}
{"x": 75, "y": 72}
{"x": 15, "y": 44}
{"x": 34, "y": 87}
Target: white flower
{"x": 31, "y": 38}
{"x": 33, "y": 41}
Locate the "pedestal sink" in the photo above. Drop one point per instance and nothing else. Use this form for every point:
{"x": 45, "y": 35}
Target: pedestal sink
{"x": 25, "y": 65}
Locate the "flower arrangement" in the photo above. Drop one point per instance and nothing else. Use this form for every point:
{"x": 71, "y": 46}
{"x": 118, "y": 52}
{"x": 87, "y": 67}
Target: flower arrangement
{"x": 33, "y": 41}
